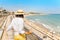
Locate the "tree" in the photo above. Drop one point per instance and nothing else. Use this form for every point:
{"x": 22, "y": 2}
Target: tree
{"x": 4, "y": 11}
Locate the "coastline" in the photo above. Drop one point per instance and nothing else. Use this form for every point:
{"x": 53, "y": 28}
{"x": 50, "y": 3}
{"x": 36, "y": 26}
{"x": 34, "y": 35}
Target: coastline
{"x": 46, "y": 29}
{"x": 41, "y": 29}
{"x": 35, "y": 14}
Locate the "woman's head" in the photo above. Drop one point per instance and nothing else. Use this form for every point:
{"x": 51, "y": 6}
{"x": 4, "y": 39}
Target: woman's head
{"x": 19, "y": 13}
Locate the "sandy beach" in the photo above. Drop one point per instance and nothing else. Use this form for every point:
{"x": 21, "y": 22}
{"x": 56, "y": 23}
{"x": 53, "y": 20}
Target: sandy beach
{"x": 42, "y": 29}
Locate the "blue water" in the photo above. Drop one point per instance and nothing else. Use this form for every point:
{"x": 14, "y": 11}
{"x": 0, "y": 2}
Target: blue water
{"x": 51, "y": 21}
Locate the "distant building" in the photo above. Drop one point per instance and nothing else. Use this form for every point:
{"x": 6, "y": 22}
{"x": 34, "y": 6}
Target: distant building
{"x": 0, "y": 11}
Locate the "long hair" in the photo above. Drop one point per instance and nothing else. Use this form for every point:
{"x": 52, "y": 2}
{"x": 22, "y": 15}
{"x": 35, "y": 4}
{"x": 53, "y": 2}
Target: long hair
{"x": 21, "y": 16}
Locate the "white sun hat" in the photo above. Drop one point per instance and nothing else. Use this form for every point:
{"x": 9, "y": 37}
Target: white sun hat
{"x": 19, "y": 12}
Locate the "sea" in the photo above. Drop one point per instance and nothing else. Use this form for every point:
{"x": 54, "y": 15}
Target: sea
{"x": 50, "y": 21}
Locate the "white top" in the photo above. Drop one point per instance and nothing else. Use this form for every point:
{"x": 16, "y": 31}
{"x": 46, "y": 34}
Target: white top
{"x": 17, "y": 25}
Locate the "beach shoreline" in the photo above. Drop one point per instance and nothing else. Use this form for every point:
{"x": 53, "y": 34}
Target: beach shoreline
{"x": 42, "y": 29}
{"x": 52, "y": 31}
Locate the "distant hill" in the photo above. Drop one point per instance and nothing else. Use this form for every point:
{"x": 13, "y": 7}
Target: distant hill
{"x": 34, "y": 13}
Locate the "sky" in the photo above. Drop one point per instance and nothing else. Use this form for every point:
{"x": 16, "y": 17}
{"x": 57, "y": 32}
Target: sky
{"x": 42, "y": 6}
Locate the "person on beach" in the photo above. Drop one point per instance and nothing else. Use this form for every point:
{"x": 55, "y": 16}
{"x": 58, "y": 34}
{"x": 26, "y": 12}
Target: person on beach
{"x": 18, "y": 26}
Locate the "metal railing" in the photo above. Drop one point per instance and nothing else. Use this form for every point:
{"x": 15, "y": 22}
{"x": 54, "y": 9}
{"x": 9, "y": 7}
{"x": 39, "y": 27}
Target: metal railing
{"x": 3, "y": 29}
{"x": 32, "y": 36}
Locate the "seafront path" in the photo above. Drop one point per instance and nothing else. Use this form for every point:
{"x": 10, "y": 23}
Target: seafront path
{"x": 37, "y": 29}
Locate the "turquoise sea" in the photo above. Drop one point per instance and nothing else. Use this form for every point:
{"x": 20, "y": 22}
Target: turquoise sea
{"x": 50, "y": 21}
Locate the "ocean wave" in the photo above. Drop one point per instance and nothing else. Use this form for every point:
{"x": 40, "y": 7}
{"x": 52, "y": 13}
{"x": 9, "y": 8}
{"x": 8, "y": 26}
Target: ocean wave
{"x": 47, "y": 26}
{"x": 37, "y": 19}
{"x": 32, "y": 20}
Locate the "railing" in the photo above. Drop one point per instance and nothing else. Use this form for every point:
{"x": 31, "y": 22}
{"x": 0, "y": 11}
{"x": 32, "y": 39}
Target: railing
{"x": 32, "y": 36}
{"x": 4, "y": 25}
{"x": 3, "y": 29}
{"x": 2, "y": 21}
